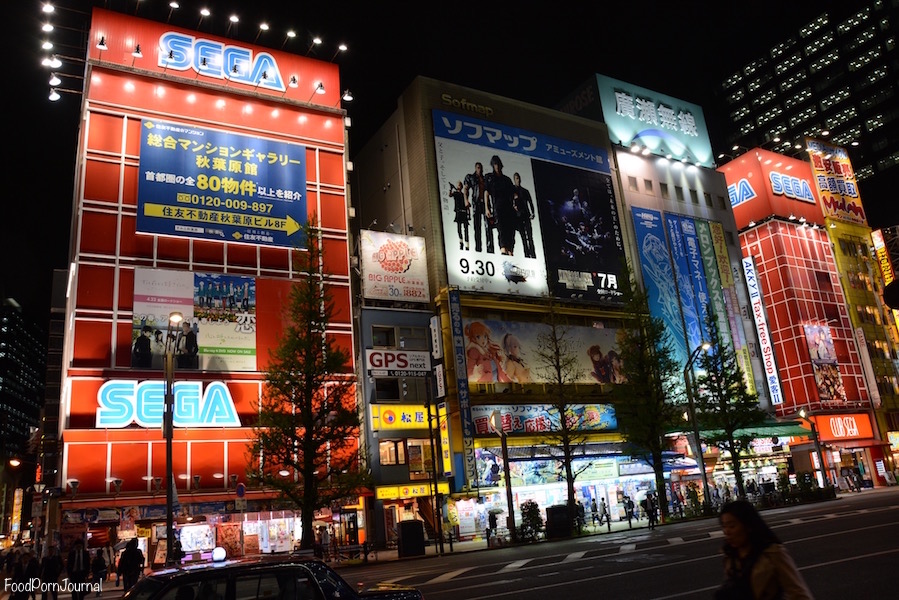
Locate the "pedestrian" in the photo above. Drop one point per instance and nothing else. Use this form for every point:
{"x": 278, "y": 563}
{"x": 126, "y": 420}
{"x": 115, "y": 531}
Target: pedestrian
{"x": 581, "y": 517}
{"x": 131, "y": 564}
{"x": 78, "y": 567}
{"x": 756, "y": 563}
{"x": 594, "y": 511}
{"x": 629, "y": 510}
{"x": 491, "y": 526}
{"x": 98, "y": 570}
{"x": 51, "y": 569}
{"x": 109, "y": 557}
{"x": 651, "y": 510}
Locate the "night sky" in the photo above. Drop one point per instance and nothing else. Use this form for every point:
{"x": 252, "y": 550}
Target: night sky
{"x": 538, "y": 55}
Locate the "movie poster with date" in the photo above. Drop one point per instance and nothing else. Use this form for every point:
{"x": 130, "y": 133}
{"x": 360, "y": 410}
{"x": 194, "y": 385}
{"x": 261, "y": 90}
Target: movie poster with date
{"x": 394, "y": 267}
{"x": 548, "y": 222}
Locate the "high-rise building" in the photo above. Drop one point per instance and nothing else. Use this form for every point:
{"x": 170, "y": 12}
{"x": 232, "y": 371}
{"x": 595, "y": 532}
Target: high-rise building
{"x": 834, "y": 77}
{"x": 22, "y": 364}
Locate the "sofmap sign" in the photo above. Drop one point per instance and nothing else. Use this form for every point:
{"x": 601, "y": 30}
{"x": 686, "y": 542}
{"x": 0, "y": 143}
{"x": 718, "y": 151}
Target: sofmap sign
{"x": 123, "y": 402}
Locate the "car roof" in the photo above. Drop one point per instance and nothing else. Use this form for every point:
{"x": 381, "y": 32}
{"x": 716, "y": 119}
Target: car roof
{"x": 231, "y": 565}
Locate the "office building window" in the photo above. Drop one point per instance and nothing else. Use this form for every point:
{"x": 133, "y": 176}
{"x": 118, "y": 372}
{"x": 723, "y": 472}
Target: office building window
{"x": 679, "y": 193}
{"x": 694, "y": 196}
{"x": 708, "y": 198}
{"x": 663, "y": 191}
{"x": 632, "y": 183}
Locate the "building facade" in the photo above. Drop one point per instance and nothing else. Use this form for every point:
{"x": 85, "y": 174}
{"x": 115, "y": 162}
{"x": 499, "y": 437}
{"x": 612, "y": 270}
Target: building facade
{"x": 199, "y": 162}
{"x": 818, "y": 298}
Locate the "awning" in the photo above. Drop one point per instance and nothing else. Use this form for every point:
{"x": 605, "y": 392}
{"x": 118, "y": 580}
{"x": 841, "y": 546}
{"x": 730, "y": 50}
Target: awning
{"x": 781, "y": 429}
{"x": 853, "y": 444}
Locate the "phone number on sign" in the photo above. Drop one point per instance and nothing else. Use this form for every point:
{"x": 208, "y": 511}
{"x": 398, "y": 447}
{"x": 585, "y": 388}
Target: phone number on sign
{"x": 230, "y": 203}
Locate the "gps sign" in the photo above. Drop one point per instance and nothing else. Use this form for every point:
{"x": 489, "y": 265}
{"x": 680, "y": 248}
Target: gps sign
{"x": 397, "y": 363}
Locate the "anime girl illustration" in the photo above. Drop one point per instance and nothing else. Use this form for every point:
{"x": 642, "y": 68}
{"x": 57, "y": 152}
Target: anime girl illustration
{"x": 515, "y": 366}
{"x": 484, "y": 356}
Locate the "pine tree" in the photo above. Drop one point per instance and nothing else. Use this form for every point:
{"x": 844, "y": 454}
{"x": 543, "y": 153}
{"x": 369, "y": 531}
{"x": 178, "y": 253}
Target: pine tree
{"x": 648, "y": 406}
{"x": 726, "y": 412}
{"x": 306, "y": 437}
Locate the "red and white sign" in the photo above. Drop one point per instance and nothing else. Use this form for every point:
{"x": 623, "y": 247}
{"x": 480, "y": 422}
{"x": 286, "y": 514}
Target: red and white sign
{"x": 394, "y": 267}
{"x": 397, "y": 363}
{"x": 836, "y": 428}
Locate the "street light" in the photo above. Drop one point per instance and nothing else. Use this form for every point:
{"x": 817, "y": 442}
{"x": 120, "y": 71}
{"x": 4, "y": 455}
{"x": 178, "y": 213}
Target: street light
{"x": 496, "y": 422}
{"x": 167, "y": 430}
{"x": 805, "y": 417}
{"x": 691, "y": 407}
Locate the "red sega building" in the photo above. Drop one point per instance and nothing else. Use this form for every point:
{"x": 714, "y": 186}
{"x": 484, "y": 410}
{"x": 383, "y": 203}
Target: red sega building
{"x": 813, "y": 359}
{"x": 199, "y": 161}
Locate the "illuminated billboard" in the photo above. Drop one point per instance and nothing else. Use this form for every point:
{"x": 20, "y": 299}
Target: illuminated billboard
{"x": 835, "y": 181}
{"x": 218, "y": 331}
{"x": 509, "y": 352}
{"x": 537, "y": 418}
{"x": 525, "y": 213}
{"x": 666, "y": 126}
{"x": 394, "y": 267}
{"x": 819, "y": 340}
{"x": 209, "y": 184}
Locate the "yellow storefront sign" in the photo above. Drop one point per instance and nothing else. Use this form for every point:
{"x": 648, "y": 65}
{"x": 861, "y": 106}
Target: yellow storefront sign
{"x": 411, "y": 490}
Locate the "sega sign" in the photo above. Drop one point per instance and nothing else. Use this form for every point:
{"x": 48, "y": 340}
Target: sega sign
{"x": 740, "y": 192}
{"x": 181, "y": 52}
{"x": 791, "y": 187}
{"x": 397, "y": 363}
{"x": 123, "y": 402}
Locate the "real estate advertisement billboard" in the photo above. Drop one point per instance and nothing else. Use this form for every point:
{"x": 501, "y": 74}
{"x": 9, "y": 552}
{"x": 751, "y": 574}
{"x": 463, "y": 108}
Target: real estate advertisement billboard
{"x": 526, "y": 213}
{"x": 210, "y": 184}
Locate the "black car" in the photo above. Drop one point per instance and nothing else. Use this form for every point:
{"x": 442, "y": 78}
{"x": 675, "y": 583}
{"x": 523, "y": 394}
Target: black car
{"x": 258, "y": 579}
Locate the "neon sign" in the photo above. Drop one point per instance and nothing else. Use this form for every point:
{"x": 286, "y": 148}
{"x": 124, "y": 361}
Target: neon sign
{"x": 791, "y": 187}
{"x": 181, "y": 52}
{"x": 122, "y": 402}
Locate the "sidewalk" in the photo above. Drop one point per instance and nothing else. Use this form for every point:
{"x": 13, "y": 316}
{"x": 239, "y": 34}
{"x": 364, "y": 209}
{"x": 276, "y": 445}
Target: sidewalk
{"x": 431, "y": 549}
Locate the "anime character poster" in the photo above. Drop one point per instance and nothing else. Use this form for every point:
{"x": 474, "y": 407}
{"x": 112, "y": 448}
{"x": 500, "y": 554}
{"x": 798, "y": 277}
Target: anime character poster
{"x": 503, "y": 189}
{"x": 819, "y": 340}
{"x": 218, "y": 310}
{"x": 509, "y": 352}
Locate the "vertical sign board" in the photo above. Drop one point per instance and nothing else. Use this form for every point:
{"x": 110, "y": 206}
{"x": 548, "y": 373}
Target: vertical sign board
{"x": 557, "y": 231}
{"x": 835, "y": 181}
{"x": 761, "y": 323}
{"x": 216, "y": 185}
{"x": 446, "y": 449}
{"x": 455, "y": 310}
{"x": 658, "y": 275}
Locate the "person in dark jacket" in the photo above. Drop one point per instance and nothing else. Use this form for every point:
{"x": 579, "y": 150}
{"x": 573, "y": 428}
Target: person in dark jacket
{"x": 131, "y": 563}
{"x": 78, "y": 566}
{"x": 141, "y": 355}
{"x": 98, "y": 570}
{"x": 51, "y": 569}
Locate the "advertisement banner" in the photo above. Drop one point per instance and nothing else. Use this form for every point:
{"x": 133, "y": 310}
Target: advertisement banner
{"x": 819, "y": 341}
{"x": 526, "y": 213}
{"x": 658, "y": 276}
{"x": 835, "y": 182}
{"x": 756, "y": 302}
{"x": 535, "y": 418}
{"x": 218, "y": 330}
{"x": 508, "y": 352}
{"x": 455, "y": 309}
{"x": 684, "y": 281}
{"x": 446, "y": 449}
{"x": 394, "y": 267}
{"x": 397, "y": 363}
{"x": 209, "y": 184}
